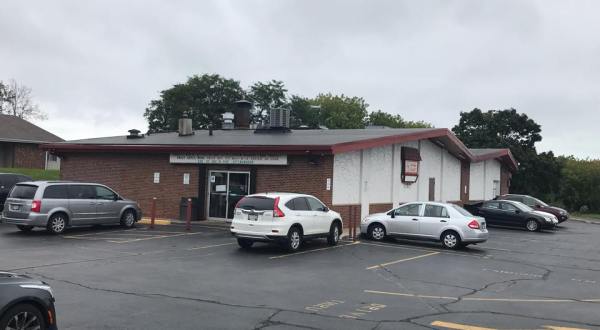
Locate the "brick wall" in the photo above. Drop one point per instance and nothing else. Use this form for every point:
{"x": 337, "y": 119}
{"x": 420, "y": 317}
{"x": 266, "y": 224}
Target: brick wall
{"x": 381, "y": 207}
{"x": 132, "y": 175}
{"x": 346, "y": 211}
{"x": 29, "y": 156}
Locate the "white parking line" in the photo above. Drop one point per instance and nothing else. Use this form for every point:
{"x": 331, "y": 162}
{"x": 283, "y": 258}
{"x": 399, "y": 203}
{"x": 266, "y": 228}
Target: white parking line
{"x": 401, "y": 260}
{"x": 208, "y": 246}
{"x": 487, "y": 256}
{"x": 314, "y": 250}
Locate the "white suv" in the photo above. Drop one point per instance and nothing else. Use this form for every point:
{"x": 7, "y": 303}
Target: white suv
{"x": 285, "y": 218}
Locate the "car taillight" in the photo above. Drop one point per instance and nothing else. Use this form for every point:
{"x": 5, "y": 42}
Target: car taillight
{"x": 474, "y": 224}
{"x": 277, "y": 212}
{"x": 36, "y": 206}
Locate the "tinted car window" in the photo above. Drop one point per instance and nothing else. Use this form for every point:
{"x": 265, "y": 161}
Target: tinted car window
{"x": 435, "y": 211}
{"x": 314, "y": 204}
{"x": 104, "y": 193}
{"x": 514, "y": 198}
{"x": 492, "y": 205}
{"x": 508, "y": 207}
{"x": 409, "y": 210}
{"x": 298, "y": 204}
{"x": 256, "y": 203}
{"x": 56, "y": 192}
{"x": 81, "y": 192}
{"x": 23, "y": 191}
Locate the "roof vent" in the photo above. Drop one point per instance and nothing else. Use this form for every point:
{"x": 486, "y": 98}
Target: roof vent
{"x": 242, "y": 113}
{"x": 228, "y": 121}
{"x": 134, "y": 134}
{"x": 185, "y": 126}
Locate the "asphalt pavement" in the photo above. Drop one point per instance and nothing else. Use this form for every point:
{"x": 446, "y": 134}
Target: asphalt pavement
{"x": 169, "y": 278}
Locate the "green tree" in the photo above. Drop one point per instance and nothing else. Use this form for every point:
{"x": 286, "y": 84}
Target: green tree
{"x": 266, "y": 96}
{"x": 538, "y": 174}
{"x": 304, "y": 112}
{"x": 580, "y": 187}
{"x": 380, "y": 118}
{"x": 204, "y": 98}
{"x": 340, "y": 111}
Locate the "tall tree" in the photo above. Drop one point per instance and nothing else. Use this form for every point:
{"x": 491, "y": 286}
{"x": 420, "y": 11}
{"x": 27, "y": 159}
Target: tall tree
{"x": 340, "y": 111}
{"x": 303, "y": 112}
{"x": 17, "y": 100}
{"x": 204, "y": 98}
{"x": 380, "y": 118}
{"x": 538, "y": 174}
{"x": 266, "y": 96}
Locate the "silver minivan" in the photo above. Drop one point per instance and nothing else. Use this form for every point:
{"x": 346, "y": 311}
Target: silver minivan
{"x": 56, "y": 205}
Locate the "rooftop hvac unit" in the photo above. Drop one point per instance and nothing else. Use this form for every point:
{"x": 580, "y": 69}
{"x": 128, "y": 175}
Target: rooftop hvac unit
{"x": 228, "y": 121}
{"x": 279, "y": 117}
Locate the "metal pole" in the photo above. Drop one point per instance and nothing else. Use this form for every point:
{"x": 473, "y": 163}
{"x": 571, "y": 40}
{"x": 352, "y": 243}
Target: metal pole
{"x": 188, "y": 218}
{"x": 153, "y": 213}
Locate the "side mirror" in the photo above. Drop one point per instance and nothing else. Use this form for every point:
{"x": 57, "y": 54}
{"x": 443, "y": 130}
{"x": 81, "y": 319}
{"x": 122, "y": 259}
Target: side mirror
{"x": 517, "y": 211}
{"x": 325, "y": 209}
{"x": 393, "y": 214}
{"x": 537, "y": 206}
{"x": 116, "y": 198}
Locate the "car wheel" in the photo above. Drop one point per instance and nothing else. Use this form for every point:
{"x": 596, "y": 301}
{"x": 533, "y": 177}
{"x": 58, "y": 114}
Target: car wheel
{"x": 245, "y": 243}
{"x": 451, "y": 240}
{"x": 334, "y": 234}
{"x": 24, "y": 228}
{"x": 532, "y": 225}
{"x": 128, "y": 219}
{"x": 377, "y": 232}
{"x": 57, "y": 223}
{"x": 23, "y": 316}
{"x": 294, "y": 240}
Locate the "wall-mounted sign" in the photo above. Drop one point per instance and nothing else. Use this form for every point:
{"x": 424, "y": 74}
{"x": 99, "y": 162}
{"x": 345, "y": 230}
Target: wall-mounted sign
{"x": 229, "y": 159}
{"x": 410, "y": 164}
{"x": 186, "y": 178}
{"x": 156, "y": 177}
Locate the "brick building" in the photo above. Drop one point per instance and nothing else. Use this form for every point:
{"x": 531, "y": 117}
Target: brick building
{"x": 20, "y": 141}
{"x": 357, "y": 170}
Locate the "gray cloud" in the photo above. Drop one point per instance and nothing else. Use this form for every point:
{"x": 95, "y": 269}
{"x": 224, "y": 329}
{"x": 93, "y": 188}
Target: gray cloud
{"x": 94, "y": 66}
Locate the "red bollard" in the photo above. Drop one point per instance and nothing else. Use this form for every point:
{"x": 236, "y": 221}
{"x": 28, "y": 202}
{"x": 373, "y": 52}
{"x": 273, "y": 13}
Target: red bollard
{"x": 188, "y": 218}
{"x": 153, "y": 213}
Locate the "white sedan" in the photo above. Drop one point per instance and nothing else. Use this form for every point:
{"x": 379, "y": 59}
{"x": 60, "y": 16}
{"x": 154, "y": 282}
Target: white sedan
{"x": 447, "y": 223}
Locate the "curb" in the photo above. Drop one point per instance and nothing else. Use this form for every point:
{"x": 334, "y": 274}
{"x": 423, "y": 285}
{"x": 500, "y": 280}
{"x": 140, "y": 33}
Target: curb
{"x": 591, "y": 222}
{"x": 159, "y": 222}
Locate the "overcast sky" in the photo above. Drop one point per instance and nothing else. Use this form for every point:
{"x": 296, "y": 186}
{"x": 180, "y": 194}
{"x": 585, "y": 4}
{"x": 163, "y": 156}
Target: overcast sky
{"x": 95, "y": 65}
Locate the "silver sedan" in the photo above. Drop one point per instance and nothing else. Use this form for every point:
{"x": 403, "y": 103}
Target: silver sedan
{"x": 447, "y": 223}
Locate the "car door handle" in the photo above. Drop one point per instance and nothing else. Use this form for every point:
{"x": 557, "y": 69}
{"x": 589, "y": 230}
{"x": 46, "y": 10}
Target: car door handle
{"x": 415, "y": 219}
{"x": 443, "y": 221}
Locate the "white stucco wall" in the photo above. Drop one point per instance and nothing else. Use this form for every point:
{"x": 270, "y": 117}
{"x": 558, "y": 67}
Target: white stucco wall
{"x": 380, "y": 182}
{"x": 482, "y": 177}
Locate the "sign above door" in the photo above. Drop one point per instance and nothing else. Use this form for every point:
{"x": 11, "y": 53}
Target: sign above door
{"x": 228, "y": 159}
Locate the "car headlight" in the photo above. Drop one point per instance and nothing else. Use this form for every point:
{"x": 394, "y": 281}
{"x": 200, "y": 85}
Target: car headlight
{"x": 39, "y": 287}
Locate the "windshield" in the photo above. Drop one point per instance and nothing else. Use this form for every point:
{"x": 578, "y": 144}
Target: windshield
{"x": 522, "y": 206}
{"x": 539, "y": 202}
{"x": 462, "y": 211}
{"x": 23, "y": 191}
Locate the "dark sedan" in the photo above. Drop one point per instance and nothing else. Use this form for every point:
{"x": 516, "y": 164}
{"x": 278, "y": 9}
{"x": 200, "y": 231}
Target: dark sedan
{"x": 537, "y": 204}
{"x": 515, "y": 214}
{"x": 7, "y": 181}
{"x": 25, "y": 303}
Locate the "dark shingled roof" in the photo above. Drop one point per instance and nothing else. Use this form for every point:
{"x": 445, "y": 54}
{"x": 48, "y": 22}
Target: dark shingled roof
{"x": 15, "y": 129}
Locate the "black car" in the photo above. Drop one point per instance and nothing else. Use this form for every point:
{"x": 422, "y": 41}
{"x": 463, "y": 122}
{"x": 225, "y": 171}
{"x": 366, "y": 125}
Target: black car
{"x": 7, "y": 181}
{"x": 537, "y": 204}
{"x": 511, "y": 213}
{"x": 25, "y": 303}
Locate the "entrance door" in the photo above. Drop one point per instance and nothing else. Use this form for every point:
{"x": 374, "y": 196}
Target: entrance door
{"x": 226, "y": 189}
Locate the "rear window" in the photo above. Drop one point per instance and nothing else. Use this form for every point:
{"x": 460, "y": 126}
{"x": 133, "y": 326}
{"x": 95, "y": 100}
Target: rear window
{"x": 462, "y": 211}
{"x": 256, "y": 203}
{"x": 22, "y": 191}
{"x": 56, "y": 192}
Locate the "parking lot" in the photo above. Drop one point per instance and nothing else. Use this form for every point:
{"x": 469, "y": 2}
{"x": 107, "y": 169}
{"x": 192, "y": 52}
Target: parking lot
{"x": 168, "y": 278}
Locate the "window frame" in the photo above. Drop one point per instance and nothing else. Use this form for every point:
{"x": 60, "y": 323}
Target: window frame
{"x": 435, "y": 216}
{"x": 420, "y": 209}
{"x": 63, "y": 186}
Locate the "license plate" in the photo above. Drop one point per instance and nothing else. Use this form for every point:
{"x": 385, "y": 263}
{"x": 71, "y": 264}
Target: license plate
{"x": 483, "y": 225}
{"x": 252, "y": 217}
{"x": 14, "y": 207}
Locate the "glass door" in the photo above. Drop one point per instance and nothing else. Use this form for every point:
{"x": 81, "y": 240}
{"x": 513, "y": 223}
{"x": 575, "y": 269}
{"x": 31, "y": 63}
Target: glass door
{"x": 226, "y": 189}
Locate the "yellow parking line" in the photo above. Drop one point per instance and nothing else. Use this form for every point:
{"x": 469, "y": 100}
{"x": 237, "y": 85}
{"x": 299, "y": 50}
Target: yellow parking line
{"x": 160, "y": 222}
{"x": 154, "y": 237}
{"x": 409, "y": 295}
{"x": 458, "y": 326}
{"x": 513, "y": 300}
{"x": 315, "y": 250}
{"x": 208, "y": 246}
{"x": 402, "y": 260}
{"x": 551, "y": 327}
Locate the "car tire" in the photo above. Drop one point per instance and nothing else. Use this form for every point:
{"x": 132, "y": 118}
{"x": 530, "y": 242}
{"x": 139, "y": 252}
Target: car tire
{"x": 334, "y": 234}
{"x": 25, "y": 228}
{"x": 294, "y": 240}
{"x": 376, "y": 232}
{"x": 451, "y": 240}
{"x": 533, "y": 225}
{"x": 128, "y": 219}
{"x": 245, "y": 243}
{"x": 57, "y": 224}
{"x": 20, "y": 313}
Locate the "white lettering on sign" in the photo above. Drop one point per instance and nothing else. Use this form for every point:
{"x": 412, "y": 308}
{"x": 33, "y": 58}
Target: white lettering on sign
{"x": 229, "y": 159}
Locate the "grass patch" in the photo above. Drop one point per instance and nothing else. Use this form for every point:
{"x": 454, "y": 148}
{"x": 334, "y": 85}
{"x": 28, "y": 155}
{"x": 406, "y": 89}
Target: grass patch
{"x": 34, "y": 173}
{"x": 587, "y": 216}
